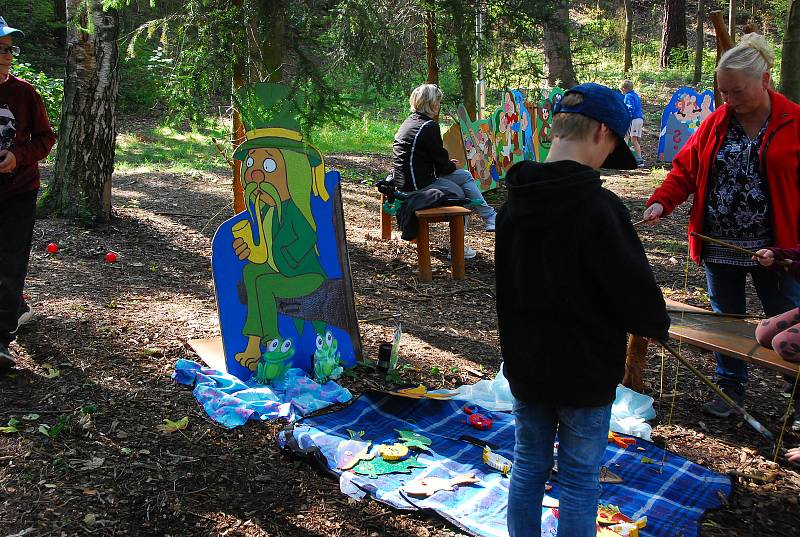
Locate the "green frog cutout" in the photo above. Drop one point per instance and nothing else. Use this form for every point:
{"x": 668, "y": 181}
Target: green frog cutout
{"x": 326, "y": 359}
{"x": 275, "y": 361}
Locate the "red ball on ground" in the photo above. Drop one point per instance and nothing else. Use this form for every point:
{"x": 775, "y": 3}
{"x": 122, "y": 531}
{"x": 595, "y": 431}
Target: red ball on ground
{"x": 111, "y": 257}
{"x": 52, "y": 247}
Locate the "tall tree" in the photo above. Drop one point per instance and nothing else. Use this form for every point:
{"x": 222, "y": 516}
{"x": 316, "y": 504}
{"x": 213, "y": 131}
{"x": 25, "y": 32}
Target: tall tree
{"x": 699, "y": 44}
{"x": 790, "y": 64}
{"x": 627, "y": 55}
{"x": 557, "y": 51}
{"x": 431, "y": 47}
{"x": 674, "y": 32}
{"x": 81, "y": 186}
{"x": 463, "y": 24}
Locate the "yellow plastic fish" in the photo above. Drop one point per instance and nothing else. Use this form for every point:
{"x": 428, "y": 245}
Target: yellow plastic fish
{"x": 496, "y": 461}
{"x": 395, "y": 452}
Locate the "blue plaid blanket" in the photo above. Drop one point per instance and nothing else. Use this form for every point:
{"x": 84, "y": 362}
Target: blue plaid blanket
{"x": 673, "y": 496}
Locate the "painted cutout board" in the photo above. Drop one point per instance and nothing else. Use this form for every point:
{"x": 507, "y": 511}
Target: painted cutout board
{"x": 454, "y": 144}
{"x": 518, "y": 130}
{"x": 281, "y": 269}
{"x": 684, "y": 113}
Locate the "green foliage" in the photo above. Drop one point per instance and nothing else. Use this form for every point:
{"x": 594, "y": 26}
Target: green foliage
{"x": 167, "y": 149}
{"x": 51, "y": 89}
{"x": 369, "y": 134}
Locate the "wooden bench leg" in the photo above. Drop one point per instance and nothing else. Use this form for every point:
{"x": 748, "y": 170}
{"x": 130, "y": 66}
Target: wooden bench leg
{"x": 386, "y": 222}
{"x": 457, "y": 247}
{"x": 424, "y": 252}
{"x": 635, "y": 361}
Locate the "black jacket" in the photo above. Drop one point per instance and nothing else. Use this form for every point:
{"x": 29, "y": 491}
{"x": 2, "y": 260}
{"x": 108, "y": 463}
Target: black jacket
{"x": 572, "y": 281}
{"x": 419, "y": 155}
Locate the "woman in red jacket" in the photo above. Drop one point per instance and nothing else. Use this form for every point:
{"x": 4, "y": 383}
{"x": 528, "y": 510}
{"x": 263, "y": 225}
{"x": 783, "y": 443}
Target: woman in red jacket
{"x": 742, "y": 168}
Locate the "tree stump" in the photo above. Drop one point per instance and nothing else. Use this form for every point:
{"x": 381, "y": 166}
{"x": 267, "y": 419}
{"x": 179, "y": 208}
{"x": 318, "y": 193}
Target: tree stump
{"x": 635, "y": 360}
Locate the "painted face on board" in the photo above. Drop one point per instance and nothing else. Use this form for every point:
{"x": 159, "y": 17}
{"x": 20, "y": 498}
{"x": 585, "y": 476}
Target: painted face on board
{"x": 744, "y": 93}
{"x": 266, "y": 167}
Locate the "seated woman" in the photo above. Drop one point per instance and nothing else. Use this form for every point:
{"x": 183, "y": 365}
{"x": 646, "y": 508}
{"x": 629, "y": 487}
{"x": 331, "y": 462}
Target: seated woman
{"x": 421, "y": 162}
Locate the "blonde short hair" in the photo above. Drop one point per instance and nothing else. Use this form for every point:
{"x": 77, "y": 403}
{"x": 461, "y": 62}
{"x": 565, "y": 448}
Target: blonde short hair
{"x": 569, "y": 125}
{"x": 626, "y": 85}
{"x": 423, "y": 97}
{"x": 753, "y": 56}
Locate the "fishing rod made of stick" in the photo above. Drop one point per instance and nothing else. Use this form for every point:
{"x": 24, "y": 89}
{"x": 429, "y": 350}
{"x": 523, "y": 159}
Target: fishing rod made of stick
{"x": 724, "y": 396}
{"x": 779, "y": 262}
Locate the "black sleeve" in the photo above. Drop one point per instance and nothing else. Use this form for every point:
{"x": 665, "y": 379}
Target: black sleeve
{"x": 619, "y": 266}
{"x": 434, "y": 146}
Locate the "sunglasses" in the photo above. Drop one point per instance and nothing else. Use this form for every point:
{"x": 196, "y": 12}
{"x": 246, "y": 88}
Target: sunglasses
{"x": 9, "y": 49}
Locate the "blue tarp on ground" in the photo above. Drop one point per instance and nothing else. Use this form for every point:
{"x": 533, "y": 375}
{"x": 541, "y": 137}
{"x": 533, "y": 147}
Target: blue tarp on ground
{"x": 673, "y": 497}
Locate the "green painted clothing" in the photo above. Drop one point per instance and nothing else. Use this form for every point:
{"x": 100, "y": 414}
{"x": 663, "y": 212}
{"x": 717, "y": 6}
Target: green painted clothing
{"x": 299, "y": 272}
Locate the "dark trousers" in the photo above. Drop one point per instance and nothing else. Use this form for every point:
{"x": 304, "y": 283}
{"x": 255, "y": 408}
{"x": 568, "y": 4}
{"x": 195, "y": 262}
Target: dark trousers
{"x": 17, "y": 216}
{"x": 726, "y": 290}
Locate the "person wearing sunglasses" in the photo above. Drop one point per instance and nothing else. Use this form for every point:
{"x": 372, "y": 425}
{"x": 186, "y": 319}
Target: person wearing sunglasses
{"x": 26, "y": 137}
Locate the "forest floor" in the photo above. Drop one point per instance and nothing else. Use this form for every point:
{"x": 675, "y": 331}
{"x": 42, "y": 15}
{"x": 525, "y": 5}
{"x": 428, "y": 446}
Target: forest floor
{"x": 106, "y": 337}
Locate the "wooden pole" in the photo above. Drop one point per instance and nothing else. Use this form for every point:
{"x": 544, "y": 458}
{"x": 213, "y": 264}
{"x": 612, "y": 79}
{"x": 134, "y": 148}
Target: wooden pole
{"x": 735, "y": 248}
{"x": 724, "y": 43}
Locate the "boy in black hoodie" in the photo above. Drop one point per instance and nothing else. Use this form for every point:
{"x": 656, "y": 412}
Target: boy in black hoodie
{"x": 572, "y": 281}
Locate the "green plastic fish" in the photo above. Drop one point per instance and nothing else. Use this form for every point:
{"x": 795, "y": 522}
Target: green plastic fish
{"x": 414, "y": 440}
{"x": 377, "y": 467}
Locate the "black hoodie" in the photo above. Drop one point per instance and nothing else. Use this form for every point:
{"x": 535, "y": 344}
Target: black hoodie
{"x": 572, "y": 281}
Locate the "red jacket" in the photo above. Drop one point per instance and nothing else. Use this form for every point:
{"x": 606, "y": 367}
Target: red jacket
{"x": 780, "y": 164}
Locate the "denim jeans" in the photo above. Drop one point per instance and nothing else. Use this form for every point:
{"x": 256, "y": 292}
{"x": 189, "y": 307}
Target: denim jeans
{"x": 17, "y": 215}
{"x": 582, "y": 439}
{"x": 726, "y": 290}
{"x": 462, "y": 180}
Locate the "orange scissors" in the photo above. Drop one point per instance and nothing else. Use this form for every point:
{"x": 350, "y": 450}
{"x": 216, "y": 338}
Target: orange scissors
{"x": 621, "y": 441}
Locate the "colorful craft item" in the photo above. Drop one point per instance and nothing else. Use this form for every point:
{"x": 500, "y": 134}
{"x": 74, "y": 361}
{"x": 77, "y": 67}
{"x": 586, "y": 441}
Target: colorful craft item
{"x": 607, "y": 476}
{"x": 395, "y": 452}
{"x": 428, "y": 486}
{"x": 274, "y": 362}
{"x": 349, "y": 452}
{"x": 621, "y": 441}
{"x": 496, "y": 461}
{"x": 377, "y": 467}
{"x": 610, "y": 514}
{"x": 326, "y": 359}
{"x": 421, "y": 392}
{"x": 629, "y": 529}
{"x": 648, "y": 460}
{"x": 414, "y": 440}
{"x": 482, "y": 422}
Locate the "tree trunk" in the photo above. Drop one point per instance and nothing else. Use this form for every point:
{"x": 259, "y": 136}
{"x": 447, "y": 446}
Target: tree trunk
{"x": 81, "y": 185}
{"x": 60, "y": 28}
{"x": 628, "y": 36}
{"x": 699, "y": 45}
{"x": 431, "y": 47}
{"x": 674, "y": 31}
{"x": 790, "y": 65}
{"x": 237, "y": 134}
{"x": 732, "y": 20}
{"x": 557, "y": 52}
{"x": 273, "y": 33}
{"x": 462, "y": 28}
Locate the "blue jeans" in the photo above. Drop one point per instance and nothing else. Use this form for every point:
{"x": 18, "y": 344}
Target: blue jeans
{"x": 462, "y": 181}
{"x": 582, "y": 439}
{"x": 726, "y": 290}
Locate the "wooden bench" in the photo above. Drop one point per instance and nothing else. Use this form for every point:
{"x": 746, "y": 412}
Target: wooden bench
{"x": 727, "y": 335}
{"x": 454, "y": 216}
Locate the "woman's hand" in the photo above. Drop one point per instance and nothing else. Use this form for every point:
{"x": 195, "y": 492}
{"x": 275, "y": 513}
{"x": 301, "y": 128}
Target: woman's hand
{"x": 653, "y": 213}
{"x": 765, "y": 257}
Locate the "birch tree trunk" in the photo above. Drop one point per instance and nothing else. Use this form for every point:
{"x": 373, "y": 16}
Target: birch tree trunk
{"x": 790, "y": 65}
{"x": 557, "y": 51}
{"x": 81, "y": 186}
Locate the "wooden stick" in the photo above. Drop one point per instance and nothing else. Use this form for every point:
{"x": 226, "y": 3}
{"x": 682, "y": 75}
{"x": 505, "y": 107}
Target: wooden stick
{"x": 717, "y": 314}
{"x": 724, "y": 396}
{"x": 222, "y": 152}
{"x": 779, "y": 262}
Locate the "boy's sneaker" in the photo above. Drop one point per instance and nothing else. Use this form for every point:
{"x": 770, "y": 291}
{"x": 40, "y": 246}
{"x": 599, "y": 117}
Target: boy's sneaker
{"x": 24, "y": 317}
{"x": 640, "y": 162}
{"x": 490, "y": 223}
{"x": 469, "y": 253}
{"x": 7, "y": 359}
{"x": 718, "y": 407}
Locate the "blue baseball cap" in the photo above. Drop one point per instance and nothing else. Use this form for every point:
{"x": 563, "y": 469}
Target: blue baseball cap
{"x": 605, "y": 105}
{"x": 5, "y": 29}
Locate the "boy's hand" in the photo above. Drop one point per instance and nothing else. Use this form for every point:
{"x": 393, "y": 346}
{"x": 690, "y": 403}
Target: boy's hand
{"x": 765, "y": 257}
{"x": 8, "y": 162}
{"x": 653, "y": 213}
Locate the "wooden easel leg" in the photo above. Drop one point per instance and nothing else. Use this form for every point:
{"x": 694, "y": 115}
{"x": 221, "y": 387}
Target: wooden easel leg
{"x": 424, "y": 252}
{"x": 635, "y": 361}
{"x": 457, "y": 247}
